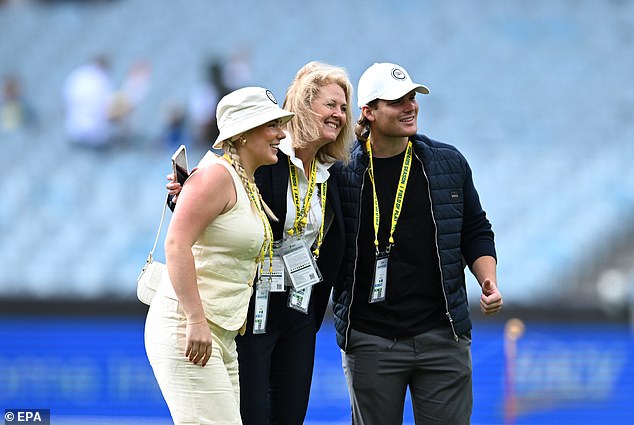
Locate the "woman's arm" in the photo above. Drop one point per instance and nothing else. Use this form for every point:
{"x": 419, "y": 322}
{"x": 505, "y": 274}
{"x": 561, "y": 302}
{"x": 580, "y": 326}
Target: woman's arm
{"x": 208, "y": 193}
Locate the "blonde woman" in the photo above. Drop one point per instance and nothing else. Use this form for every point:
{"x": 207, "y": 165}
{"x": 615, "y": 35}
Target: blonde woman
{"x": 277, "y": 350}
{"x": 218, "y": 239}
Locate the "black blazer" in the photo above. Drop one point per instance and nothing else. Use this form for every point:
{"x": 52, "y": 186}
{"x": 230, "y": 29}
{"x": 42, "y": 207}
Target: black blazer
{"x": 272, "y": 181}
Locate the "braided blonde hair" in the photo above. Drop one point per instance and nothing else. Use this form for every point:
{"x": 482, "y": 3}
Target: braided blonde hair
{"x": 229, "y": 148}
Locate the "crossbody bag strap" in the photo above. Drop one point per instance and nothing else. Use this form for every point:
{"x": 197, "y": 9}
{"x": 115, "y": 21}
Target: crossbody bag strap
{"x": 158, "y": 232}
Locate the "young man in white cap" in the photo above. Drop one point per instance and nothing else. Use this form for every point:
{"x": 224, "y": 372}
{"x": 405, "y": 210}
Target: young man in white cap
{"x": 217, "y": 238}
{"x": 413, "y": 221}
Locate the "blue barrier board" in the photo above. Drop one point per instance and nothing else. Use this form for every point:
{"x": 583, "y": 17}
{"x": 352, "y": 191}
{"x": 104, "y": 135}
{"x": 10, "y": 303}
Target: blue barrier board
{"x": 97, "y": 367}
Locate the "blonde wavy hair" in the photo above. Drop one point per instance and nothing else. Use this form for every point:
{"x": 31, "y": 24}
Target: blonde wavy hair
{"x": 304, "y": 128}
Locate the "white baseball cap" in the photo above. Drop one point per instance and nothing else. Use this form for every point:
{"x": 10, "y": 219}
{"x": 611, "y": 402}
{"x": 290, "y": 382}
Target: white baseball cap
{"x": 245, "y": 109}
{"x": 386, "y": 81}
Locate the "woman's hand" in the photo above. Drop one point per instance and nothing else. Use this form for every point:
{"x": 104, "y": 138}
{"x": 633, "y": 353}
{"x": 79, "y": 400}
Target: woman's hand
{"x": 198, "y": 342}
{"x": 173, "y": 187}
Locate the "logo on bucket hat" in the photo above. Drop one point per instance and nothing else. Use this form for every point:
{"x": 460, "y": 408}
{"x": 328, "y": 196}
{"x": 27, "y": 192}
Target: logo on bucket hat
{"x": 385, "y": 81}
{"x": 270, "y": 96}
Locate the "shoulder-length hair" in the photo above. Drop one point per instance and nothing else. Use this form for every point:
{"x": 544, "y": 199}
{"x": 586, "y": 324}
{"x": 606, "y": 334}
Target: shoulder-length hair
{"x": 304, "y": 127}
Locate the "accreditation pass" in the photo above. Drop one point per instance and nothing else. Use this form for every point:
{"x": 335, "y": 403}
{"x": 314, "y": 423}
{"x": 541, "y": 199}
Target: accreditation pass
{"x": 300, "y": 264}
{"x": 299, "y": 300}
{"x": 276, "y": 278}
{"x": 261, "y": 307}
{"x": 380, "y": 279}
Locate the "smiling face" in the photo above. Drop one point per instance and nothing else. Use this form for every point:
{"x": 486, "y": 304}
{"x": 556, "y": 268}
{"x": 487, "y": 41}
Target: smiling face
{"x": 394, "y": 118}
{"x": 261, "y": 145}
{"x": 330, "y": 108}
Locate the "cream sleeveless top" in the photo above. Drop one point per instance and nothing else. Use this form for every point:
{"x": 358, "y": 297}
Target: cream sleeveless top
{"x": 226, "y": 255}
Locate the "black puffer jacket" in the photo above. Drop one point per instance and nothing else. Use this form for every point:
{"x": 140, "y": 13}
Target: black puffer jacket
{"x": 463, "y": 232}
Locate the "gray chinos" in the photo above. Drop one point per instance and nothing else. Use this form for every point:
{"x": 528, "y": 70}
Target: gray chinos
{"x": 436, "y": 368}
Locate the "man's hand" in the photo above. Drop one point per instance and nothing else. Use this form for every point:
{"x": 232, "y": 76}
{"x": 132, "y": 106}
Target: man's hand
{"x": 491, "y": 300}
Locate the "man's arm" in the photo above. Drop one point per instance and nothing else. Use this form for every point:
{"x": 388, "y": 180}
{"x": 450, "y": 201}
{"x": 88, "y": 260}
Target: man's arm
{"x": 484, "y": 270}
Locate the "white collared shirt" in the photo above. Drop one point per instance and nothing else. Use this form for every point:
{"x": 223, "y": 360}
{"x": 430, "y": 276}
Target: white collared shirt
{"x": 315, "y": 214}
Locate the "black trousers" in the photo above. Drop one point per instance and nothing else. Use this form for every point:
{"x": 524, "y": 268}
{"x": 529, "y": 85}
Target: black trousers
{"x": 276, "y": 368}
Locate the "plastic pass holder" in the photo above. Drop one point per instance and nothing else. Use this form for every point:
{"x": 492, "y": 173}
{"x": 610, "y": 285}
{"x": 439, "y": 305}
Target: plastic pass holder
{"x": 275, "y": 279}
{"x": 299, "y": 300}
{"x": 261, "y": 307}
{"x": 379, "y": 280}
{"x": 300, "y": 264}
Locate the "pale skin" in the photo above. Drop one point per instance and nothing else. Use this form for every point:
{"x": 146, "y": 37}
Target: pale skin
{"x": 392, "y": 122}
{"x": 209, "y": 192}
{"x": 330, "y": 106}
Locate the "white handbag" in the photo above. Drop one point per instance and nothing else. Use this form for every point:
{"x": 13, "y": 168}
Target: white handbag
{"x": 153, "y": 272}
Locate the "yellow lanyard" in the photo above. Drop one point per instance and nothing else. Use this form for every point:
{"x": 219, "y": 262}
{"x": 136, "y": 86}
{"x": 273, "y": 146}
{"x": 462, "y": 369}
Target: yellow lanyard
{"x": 302, "y": 209}
{"x": 267, "y": 245}
{"x": 398, "y": 200}
{"x": 320, "y": 236}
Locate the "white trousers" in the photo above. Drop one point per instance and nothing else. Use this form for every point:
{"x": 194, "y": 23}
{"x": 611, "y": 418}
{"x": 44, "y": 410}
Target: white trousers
{"x": 194, "y": 394}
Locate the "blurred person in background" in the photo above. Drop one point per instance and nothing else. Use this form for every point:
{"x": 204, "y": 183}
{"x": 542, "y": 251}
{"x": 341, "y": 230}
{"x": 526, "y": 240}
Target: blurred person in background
{"x": 277, "y": 351}
{"x": 218, "y": 235}
{"x": 119, "y": 113}
{"x": 126, "y": 101}
{"x": 137, "y": 82}
{"x": 203, "y": 101}
{"x": 88, "y": 92}
{"x": 237, "y": 71}
{"x": 413, "y": 220}
{"x": 174, "y": 132}
{"x": 16, "y": 113}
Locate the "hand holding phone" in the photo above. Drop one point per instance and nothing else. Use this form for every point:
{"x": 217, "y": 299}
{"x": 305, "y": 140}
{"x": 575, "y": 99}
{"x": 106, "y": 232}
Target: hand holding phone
{"x": 179, "y": 165}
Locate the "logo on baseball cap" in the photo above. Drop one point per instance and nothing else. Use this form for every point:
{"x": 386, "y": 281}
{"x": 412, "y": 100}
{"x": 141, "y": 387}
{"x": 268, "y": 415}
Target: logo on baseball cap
{"x": 386, "y": 81}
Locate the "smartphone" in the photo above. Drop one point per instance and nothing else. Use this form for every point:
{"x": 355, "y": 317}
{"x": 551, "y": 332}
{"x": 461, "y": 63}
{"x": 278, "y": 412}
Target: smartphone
{"x": 179, "y": 164}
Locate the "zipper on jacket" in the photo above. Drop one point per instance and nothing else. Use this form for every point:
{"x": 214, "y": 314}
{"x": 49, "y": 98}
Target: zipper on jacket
{"x": 442, "y": 278}
{"x": 356, "y": 257}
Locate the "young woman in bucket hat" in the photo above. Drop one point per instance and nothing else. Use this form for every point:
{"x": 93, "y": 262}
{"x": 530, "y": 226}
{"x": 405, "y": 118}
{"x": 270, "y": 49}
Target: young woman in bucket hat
{"x": 276, "y": 353}
{"x": 219, "y": 239}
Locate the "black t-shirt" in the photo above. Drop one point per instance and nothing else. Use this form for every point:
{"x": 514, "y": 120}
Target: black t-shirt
{"x": 414, "y": 300}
